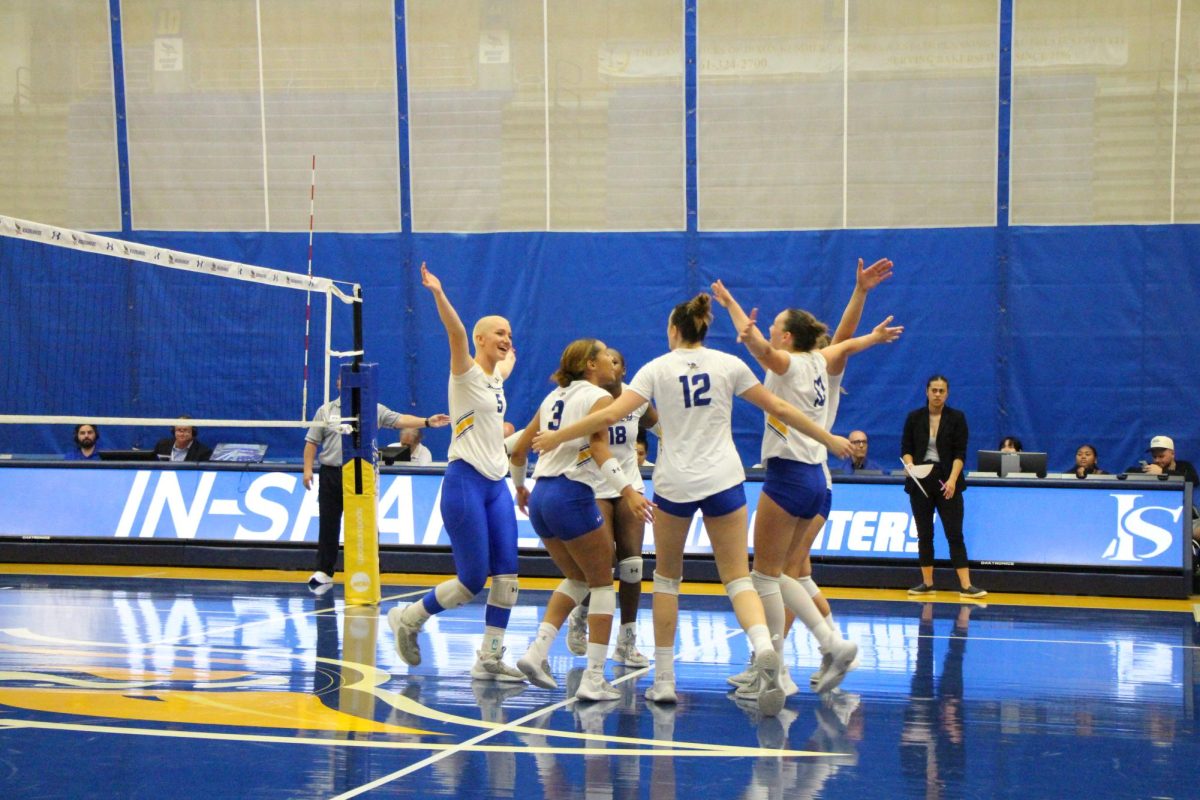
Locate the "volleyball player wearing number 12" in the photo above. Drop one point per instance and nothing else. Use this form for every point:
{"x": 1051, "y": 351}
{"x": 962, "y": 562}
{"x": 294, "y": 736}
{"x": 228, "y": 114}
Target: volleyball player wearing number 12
{"x": 476, "y": 507}
{"x": 699, "y": 468}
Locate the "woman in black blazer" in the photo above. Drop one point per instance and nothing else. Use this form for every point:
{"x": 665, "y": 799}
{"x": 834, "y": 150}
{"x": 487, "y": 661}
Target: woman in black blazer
{"x": 937, "y": 434}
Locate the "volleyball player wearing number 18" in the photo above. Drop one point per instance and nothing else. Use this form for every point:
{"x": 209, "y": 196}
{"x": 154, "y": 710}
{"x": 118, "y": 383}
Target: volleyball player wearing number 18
{"x": 476, "y": 507}
{"x": 699, "y": 468}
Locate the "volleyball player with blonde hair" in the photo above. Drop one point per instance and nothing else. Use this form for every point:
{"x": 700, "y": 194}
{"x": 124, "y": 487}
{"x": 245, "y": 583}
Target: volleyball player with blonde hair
{"x": 699, "y": 469}
{"x": 562, "y": 508}
{"x": 476, "y": 507}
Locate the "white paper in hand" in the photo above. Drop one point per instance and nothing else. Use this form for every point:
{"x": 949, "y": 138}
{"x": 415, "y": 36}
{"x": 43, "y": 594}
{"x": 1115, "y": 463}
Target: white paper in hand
{"x": 917, "y": 472}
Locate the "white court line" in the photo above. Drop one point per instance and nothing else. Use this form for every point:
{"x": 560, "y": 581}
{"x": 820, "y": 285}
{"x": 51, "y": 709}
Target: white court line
{"x": 541, "y": 712}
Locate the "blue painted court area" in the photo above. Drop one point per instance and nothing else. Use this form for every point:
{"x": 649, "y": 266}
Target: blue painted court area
{"x": 166, "y": 688}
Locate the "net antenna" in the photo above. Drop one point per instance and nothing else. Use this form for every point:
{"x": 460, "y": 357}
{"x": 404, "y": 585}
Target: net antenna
{"x": 152, "y": 292}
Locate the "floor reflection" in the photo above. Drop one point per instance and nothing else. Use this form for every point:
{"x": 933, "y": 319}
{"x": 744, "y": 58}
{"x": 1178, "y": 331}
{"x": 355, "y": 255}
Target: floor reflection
{"x": 263, "y": 690}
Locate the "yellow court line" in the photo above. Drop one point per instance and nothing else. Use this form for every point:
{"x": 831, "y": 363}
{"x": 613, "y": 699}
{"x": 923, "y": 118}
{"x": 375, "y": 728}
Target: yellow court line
{"x": 1188, "y": 606}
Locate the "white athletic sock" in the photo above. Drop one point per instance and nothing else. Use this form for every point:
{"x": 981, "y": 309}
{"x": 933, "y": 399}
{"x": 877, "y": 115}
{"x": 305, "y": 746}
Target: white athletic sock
{"x": 805, "y": 609}
{"x": 629, "y": 628}
{"x": 493, "y": 639}
{"x": 415, "y": 614}
{"x": 837, "y": 632}
{"x": 664, "y": 661}
{"x": 597, "y": 654}
{"x": 760, "y": 639}
{"x": 546, "y": 634}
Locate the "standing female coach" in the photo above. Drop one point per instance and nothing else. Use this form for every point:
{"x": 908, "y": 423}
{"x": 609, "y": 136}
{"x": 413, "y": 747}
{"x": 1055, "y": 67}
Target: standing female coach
{"x": 937, "y": 434}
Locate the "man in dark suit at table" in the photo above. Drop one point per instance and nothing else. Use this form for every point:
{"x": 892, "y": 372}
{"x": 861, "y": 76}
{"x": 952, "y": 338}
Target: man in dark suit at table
{"x": 182, "y": 445}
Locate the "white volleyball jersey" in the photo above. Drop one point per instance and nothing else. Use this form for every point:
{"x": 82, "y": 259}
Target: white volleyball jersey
{"x": 477, "y": 421}
{"x": 806, "y": 386}
{"x": 831, "y": 410}
{"x": 622, "y": 440}
{"x": 573, "y": 458}
{"x": 693, "y": 390}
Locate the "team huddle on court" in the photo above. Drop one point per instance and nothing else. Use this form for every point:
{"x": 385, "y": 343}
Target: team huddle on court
{"x": 588, "y": 502}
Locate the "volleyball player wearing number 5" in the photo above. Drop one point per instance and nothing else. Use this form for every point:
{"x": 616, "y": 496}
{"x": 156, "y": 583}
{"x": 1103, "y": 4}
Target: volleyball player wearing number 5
{"x": 476, "y": 507}
{"x": 562, "y": 508}
{"x": 699, "y": 469}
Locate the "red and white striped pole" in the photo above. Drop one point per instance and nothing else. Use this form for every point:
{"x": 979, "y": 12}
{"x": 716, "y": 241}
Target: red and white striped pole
{"x": 312, "y": 197}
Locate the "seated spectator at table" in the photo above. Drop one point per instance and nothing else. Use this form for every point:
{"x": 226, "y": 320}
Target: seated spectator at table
{"x": 1010, "y": 444}
{"x": 1085, "y": 462}
{"x": 182, "y": 445}
{"x": 858, "y": 459}
{"x": 1162, "y": 451}
{"x": 84, "y": 440}
{"x": 419, "y": 454}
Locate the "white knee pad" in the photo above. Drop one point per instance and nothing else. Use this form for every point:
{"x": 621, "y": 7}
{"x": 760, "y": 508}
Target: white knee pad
{"x": 576, "y": 590}
{"x": 452, "y": 593}
{"x": 765, "y": 585}
{"x": 664, "y": 585}
{"x": 503, "y": 593}
{"x": 604, "y": 600}
{"x": 809, "y": 585}
{"x": 739, "y": 585}
{"x": 629, "y": 570}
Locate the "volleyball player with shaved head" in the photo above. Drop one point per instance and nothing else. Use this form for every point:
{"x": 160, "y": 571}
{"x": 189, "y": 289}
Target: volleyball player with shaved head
{"x": 699, "y": 469}
{"x": 476, "y": 507}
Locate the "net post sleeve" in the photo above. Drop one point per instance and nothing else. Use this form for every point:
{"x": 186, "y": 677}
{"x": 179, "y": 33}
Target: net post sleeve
{"x": 360, "y": 480}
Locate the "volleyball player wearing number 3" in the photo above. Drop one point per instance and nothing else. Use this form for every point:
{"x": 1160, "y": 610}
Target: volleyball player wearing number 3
{"x": 699, "y": 468}
{"x": 563, "y": 510}
{"x": 476, "y": 507}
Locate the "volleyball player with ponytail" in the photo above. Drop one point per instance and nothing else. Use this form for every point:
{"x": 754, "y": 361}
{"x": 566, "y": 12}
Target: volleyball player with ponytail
{"x": 699, "y": 468}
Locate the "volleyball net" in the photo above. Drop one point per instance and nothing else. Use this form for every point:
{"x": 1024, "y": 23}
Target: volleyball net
{"x": 116, "y": 333}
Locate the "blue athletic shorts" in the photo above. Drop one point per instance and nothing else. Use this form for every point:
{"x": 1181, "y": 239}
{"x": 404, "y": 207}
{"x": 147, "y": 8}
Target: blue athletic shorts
{"x": 826, "y": 504}
{"x": 798, "y": 488}
{"x": 716, "y": 505}
{"x": 561, "y": 508}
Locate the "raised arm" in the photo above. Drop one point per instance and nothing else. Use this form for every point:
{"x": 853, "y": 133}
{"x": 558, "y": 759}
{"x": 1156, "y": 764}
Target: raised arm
{"x": 837, "y": 354}
{"x": 460, "y": 343}
{"x": 771, "y": 403}
{"x": 505, "y": 367}
{"x": 595, "y": 421}
{"x": 865, "y": 280}
{"x": 748, "y": 334}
